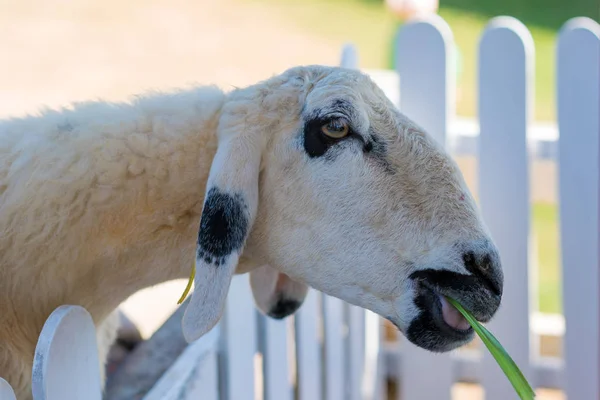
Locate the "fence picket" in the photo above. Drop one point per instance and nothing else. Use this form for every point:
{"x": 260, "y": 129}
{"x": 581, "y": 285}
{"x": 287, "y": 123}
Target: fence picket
{"x": 578, "y": 73}
{"x": 355, "y": 349}
{"x": 6, "y": 391}
{"x": 335, "y": 359}
{"x": 204, "y": 383}
{"x": 192, "y": 374}
{"x": 425, "y": 62}
{"x": 238, "y": 342}
{"x": 66, "y": 364}
{"x": 308, "y": 347}
{"x": 505, "y": 107}
{"x": 355, "y": 316}
{"x": 373, "y": 380}
{"x": 274, "y": 345}
{"x": 349, "y": 58}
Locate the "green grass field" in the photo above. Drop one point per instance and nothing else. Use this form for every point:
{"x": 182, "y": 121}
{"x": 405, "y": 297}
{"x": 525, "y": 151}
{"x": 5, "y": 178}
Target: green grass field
{"x": 371, "y": 27}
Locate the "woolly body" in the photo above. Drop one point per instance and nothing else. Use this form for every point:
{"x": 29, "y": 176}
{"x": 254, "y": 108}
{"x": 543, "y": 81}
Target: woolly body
{"x": 97, "y": 202}
{"x": 101, "y": 200}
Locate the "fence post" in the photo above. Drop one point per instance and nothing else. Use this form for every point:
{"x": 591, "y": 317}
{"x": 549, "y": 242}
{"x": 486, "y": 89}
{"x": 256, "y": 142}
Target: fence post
{"x": 373, "y": 380}
{"x": 308, "y": 347}
{"x": 6, "y": 391}
{"x": 150, "y": 359}
{"x": 425, "y": 63}
{"x": 506, "y": 55}
{"x": 66, "y": 364}
{"x": 193, "y": 374}
{"x": 578, "y": 79}
{"x": 274, "y": 346}
{"x": 425, "y": 59}
{"x": 355, "y": 316}
{"x": 349, "y": 57}
{"x": 335, "y": 359}
{"x": 238, "y": 342}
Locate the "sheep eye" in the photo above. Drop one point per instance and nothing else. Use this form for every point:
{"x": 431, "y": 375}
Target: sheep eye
{"x": 336, "y": 129}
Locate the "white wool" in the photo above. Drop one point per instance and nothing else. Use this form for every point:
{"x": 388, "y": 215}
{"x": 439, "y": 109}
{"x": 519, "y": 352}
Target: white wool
{"x": 100, "y": 200}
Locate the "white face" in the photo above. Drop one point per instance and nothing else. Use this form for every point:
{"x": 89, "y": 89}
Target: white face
{"x": 355, "y": 200}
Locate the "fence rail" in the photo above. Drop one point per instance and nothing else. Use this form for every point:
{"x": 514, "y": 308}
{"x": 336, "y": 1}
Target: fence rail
{"x": 337, "y": 350}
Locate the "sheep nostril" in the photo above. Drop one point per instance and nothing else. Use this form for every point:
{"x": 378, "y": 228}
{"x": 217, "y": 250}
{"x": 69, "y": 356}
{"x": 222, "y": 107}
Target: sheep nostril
{"x": 469, "y": 261}
{"x": 485, "y": 264}
{"x": 485, "y": 268}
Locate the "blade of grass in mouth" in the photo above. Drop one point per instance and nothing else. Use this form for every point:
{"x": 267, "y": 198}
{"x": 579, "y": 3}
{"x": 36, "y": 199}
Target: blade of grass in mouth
{"x": 506, "y": 363}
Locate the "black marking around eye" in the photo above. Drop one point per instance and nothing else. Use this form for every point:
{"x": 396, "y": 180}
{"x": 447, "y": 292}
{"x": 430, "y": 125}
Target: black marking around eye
{"x": 316, "y": 143}
{"x": 344, "y": 107}
{"x": 223, "y": 226}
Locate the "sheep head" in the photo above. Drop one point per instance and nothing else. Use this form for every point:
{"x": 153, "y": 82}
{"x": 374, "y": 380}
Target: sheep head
{"x": 318, "y": 175}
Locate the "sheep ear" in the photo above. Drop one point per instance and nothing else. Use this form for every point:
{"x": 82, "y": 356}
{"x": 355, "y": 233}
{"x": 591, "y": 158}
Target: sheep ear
{"x": 276, "y": 294}
{"x": 229, "y": 210}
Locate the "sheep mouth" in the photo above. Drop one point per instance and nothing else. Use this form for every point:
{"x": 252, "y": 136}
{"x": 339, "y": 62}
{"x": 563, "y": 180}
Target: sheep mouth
{"x": 473, "y": 292}
{"x": 439, "y": 326}
{"x": 446, "y": 318}
{"x": 443, "y": 314}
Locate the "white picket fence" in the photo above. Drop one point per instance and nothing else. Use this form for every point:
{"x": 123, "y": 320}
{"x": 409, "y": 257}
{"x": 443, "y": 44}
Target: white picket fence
{"x": 330, "y": 350}
{"x": 505, "y": 99}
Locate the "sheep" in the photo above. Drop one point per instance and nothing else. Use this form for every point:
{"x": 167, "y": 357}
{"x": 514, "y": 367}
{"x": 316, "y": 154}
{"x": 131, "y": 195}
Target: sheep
{"x": 310, "y": 178}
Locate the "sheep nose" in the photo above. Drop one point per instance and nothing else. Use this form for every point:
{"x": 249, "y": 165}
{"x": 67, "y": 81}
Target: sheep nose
{"x": 483, "y": 261}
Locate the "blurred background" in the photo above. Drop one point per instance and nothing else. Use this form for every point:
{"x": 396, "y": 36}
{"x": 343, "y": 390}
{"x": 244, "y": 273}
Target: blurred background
{"x": 54, "y": 52}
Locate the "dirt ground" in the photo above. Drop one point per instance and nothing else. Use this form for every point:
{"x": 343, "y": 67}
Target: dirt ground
{"x": 54, "y": 52}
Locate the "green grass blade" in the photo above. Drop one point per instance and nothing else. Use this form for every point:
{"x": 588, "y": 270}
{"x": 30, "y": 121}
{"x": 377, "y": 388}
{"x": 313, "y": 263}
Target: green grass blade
{"x": 506, "y": 363}
{"x": 189, "y": 284}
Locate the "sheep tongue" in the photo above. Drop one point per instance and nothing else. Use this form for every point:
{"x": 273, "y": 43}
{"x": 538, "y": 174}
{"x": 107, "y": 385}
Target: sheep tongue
{"x": 452, "y": 316}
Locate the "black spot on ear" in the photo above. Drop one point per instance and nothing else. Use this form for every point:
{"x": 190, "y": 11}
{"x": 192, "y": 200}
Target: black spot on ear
{"x": 223, "y": 226}
{"x": 284, "y": 308}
